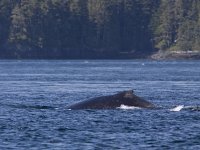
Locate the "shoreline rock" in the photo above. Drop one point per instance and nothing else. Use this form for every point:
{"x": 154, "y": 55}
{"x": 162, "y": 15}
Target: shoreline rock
{"x": 162, "y": 55}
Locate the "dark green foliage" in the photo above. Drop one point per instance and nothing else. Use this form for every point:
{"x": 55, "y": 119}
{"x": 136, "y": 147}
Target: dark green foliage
{"x": 97, "y": 28}
{"x": 177, "y": 25}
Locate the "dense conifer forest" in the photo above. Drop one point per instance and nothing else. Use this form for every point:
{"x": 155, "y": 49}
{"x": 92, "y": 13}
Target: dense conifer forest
{"x": 60, "y": 29}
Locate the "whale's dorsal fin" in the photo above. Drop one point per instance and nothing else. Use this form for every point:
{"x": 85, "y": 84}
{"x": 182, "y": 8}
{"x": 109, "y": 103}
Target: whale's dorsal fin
{"x": 128, "y": 94}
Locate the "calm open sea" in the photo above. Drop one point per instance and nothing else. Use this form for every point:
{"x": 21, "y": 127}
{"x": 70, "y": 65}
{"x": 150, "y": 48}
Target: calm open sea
{"x": 34, "y": 96}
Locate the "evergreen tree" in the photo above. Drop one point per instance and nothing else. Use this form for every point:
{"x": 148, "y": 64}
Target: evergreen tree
{"x": 97, "y": 28}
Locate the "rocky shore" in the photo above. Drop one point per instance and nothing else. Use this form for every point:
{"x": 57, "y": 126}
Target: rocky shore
{"x": 161, "y": 55}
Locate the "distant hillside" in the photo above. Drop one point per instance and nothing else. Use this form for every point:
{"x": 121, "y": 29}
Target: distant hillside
{"x": 62, "y": 29}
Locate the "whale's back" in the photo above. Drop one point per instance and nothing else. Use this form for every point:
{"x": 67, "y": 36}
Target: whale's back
{"x": 127, "y": 98}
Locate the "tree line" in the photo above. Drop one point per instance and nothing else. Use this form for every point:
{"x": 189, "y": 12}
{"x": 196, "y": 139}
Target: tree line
{"x": 59, "y": 29}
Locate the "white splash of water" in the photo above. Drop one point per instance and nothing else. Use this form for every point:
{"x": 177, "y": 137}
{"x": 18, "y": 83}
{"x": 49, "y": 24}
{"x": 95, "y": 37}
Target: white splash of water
{"x": 177, "y": 108}
{"x": 128, "y": 107}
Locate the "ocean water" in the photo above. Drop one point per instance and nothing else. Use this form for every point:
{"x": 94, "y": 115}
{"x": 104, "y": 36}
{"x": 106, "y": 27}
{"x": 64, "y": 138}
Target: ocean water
{"x": 34, "y": 96}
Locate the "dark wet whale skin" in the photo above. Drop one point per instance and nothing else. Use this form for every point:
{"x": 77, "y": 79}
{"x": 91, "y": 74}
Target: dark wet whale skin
{"x": 127, "y": 98}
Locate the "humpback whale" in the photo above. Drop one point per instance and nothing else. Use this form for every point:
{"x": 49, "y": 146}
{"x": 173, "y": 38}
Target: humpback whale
{"x": 127, "y": 98}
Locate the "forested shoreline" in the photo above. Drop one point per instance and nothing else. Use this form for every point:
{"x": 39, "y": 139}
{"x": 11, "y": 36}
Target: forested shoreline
{"x": 107, "y": 29}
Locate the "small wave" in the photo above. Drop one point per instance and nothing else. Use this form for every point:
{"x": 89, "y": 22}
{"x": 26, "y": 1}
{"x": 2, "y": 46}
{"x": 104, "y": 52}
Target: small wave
{"x": 86, "y": 62}
{"x": 21, "y": 106}
{"x": 192, "y": 108}
{"x": 127, "y": 107}
{"x": 177, "y": 108}
{"x": 41, "y": 107}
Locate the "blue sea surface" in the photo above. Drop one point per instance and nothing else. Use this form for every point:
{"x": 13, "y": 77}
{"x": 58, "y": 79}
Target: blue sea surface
{"x": 34, "y": 96}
